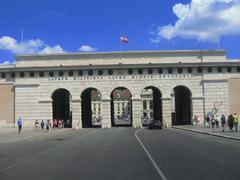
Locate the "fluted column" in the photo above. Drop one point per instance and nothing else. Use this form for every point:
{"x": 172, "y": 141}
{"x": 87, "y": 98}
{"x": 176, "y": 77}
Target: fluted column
{"x": 136, "y": 113}
{"x": 167, "y": 112}
{"x": 106, "y": 113}
{"x": 76, "y": 108}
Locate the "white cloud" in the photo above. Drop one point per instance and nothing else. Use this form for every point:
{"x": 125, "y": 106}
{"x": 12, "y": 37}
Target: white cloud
{"x": 28, "y": 46}
{"x": 86, "y": 48}
{"x": 204, "y": 20}
{"x": 55, "y": 49}
{"x": 5, "y": 63}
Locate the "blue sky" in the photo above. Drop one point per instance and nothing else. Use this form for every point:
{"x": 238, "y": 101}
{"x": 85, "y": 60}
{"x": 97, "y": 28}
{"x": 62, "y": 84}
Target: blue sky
{"x": 59, "y": 26}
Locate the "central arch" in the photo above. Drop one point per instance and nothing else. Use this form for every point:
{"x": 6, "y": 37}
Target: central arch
{"x": 121, "y": 107}
{"x": 61, "y": 106}
{"x": 151, "y": 105}
{"x": 183, "y": 106}
{"x": 91, "y": 108}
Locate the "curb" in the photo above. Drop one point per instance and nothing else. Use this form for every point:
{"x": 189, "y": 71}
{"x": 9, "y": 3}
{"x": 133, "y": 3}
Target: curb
{"x": 207, "y": 133}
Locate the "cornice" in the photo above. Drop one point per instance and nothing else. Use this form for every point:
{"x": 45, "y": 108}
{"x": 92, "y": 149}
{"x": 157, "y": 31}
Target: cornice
{"x": 121, "y": 66}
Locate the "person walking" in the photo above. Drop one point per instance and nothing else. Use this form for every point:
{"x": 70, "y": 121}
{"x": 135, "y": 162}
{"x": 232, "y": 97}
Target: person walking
{"x": 230, "y": 122}
{"x": 207, "y": 119}
{"x": 235, "y": 122}
{"x": 19, "y": 123}
{"x": 223, "y": 122}
{"x": 36, "y": 124}
{"x": 47, "y": 125}
{"x": 42, "y": 125}
{"x": 213, "y": 121}
{"x": 217, "y": 121}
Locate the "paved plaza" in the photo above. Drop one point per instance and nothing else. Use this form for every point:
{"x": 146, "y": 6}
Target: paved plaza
{"x": 116, "y": 154}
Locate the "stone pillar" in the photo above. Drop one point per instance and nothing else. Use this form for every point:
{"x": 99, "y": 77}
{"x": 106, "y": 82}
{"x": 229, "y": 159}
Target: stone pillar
{"x": 76, "y": 108}
{"x": 136, "y": 113}
{"x": 166, "y": 109}
{"x": 106, "y": 113}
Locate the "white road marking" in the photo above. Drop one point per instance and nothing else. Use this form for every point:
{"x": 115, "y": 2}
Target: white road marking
{"x": 150, "y": 157}
{"x": 14, "y": 165}
{"x": 42, "y": 153}
{"x": 27, "y": 137}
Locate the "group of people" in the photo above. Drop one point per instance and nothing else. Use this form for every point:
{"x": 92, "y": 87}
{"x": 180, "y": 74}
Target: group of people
{"x": 231, "y": 121}
{"x": 55, "y": 123}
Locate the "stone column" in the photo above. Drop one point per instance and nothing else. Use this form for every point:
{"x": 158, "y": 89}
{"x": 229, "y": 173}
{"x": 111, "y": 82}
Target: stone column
{"x": 76, "y": 108}
{"x": 136, "y": 113}
{"x": 166, "y": 109}
{"x": 106, "y": 113}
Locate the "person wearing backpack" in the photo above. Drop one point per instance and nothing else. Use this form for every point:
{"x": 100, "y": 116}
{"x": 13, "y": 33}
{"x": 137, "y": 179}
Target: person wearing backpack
{"x": 213, "y": 122}
{"x": 19, "y": 123}
{"x": 223, "y": 122}
{"x": 235, "y": 122}
{"x": 42, "y": 125}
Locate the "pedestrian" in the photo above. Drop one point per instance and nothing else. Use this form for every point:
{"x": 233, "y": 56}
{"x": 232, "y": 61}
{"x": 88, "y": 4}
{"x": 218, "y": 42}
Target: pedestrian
{"x": 59, "y": 123}
{"x": 223, "y": 122}
{"x": 213, "y": 121}
{"x": 230, "y": 122}
{"x": 47, "y": 125}
{"x": 217, "y": 122}
{"x": 197, "y": 119}
{"x": 19, "y": 123}
{"x": 193, "y": 120}
{"x": 62, "y": 123}
{"x": 54, "y": 123}
{"x": 51, "y": 123}
{"x": 36, "y": 124}
{"x": 207, "y": 120}
{"x": 42, "y": 125}
{"x": 235, "y": 122}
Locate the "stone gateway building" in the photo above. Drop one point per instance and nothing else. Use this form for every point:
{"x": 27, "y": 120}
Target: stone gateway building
{"x": 119, "y": 88}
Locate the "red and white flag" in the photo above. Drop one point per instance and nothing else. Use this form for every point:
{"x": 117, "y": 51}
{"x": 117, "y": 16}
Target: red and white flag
{"x": 124, "y": 39}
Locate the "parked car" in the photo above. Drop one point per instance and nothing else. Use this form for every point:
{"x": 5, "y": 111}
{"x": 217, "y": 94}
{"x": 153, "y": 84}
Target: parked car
{"x": 155, "y": 124}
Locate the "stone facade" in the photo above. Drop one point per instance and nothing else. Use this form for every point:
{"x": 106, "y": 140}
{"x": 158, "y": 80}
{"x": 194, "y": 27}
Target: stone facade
{"x": 38, "y": 76}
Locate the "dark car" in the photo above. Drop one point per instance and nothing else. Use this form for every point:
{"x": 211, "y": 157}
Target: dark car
{"x": 155, "y": 124}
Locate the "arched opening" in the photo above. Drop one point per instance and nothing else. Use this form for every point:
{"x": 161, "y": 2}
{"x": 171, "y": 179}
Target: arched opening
{"x": 183, "y": 106}
{"x": 121, "y": 107}
{"x": 91, "y": 108}
{"x": 151, "y": 105}
{"x": 61, "y": 107}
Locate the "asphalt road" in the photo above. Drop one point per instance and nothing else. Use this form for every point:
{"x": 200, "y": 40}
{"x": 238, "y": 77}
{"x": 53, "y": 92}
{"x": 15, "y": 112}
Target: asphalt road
{"x": 116, "y": 154}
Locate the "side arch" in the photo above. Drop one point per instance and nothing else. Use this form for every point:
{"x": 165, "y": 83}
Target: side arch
{"x": 151, "y": 98}
{"x": 61, "y": 107}
{"x": 91, "y": 108}
{"x": 183, "y": 106}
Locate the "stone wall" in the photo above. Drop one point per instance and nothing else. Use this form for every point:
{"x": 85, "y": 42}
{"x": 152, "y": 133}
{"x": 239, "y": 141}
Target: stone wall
{"x": 234, "y": 95}
{"x": 6, "y": 104}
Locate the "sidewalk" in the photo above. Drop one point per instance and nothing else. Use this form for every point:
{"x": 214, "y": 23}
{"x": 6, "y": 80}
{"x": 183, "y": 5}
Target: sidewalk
{"x": 205, "y": 130}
